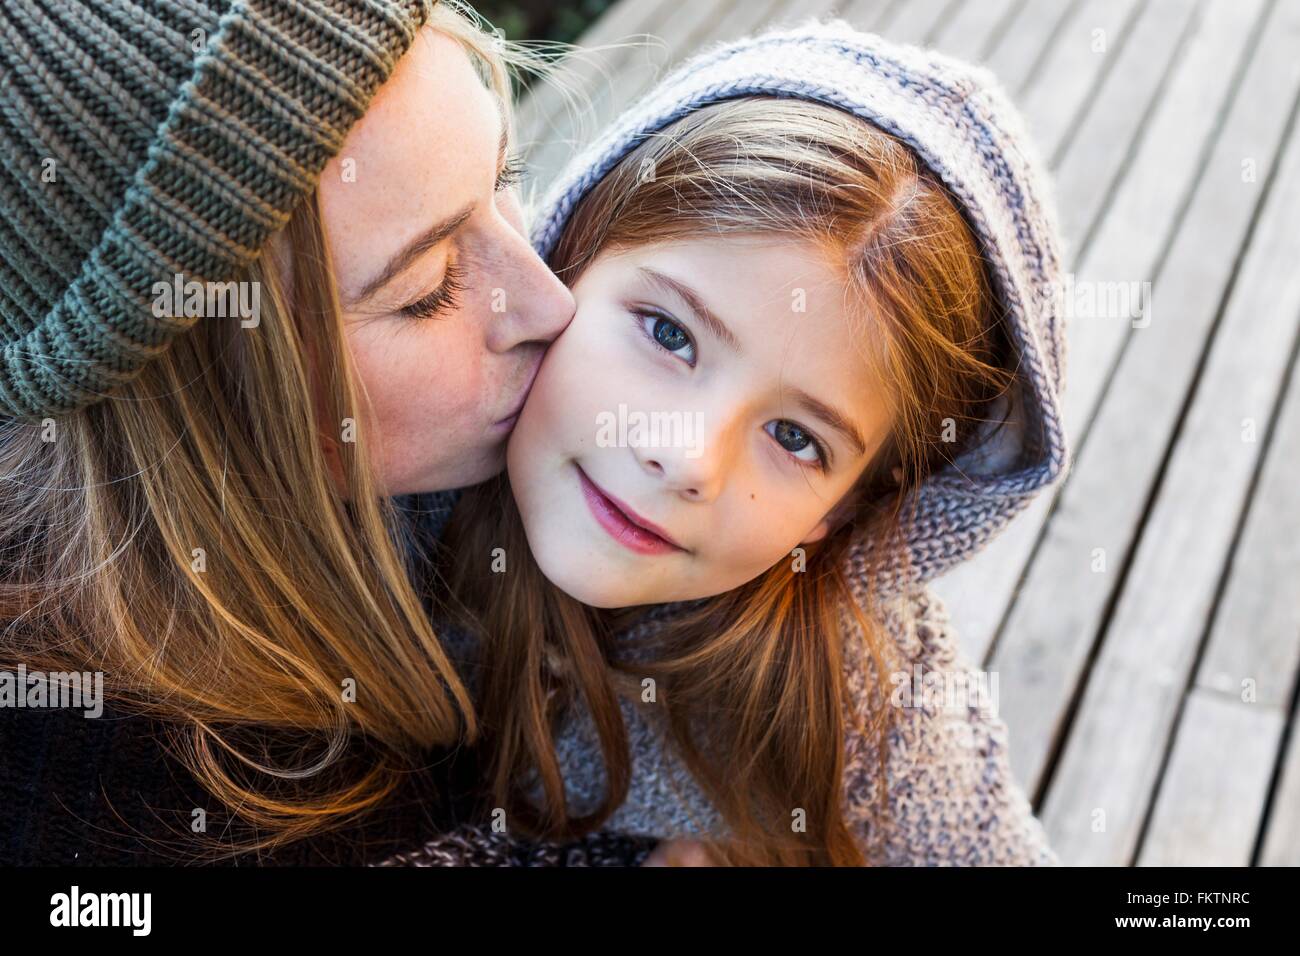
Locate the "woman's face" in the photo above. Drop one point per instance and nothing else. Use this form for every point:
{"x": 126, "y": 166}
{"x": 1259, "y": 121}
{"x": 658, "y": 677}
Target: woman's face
{"x": 700, "y": 417}
{"x": 448, "y": 308}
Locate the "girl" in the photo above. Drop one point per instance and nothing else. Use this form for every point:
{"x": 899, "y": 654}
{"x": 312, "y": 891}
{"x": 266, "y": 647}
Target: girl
{"x": 830, "y": 258}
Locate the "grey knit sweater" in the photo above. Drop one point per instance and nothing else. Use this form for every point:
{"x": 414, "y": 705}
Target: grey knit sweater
{"x": 950, "y": 794}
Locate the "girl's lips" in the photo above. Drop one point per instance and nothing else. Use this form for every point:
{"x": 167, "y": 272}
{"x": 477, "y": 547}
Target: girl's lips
{"x": 623, "y": 524}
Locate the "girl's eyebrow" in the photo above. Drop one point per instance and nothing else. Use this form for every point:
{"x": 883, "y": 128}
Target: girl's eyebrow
{"x": 693, "y": 301}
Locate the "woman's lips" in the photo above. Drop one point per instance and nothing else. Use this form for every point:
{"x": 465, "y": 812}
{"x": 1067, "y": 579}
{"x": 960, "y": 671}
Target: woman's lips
{"x": 622, "y": 523}
{"x": 507, "y": 423}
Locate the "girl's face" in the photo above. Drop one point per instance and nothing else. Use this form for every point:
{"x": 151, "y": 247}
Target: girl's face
{"x": 698, "y": 420}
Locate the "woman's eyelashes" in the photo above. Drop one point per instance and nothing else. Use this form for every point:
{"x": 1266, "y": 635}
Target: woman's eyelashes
{"x": 444, "y": 299}
{"x": 670, "y": 336}
{"x": 511, "y": 173}
{"x": 666, "y": 334}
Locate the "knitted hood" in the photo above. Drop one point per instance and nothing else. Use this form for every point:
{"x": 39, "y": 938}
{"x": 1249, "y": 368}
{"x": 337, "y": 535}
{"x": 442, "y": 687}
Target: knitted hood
{"x": 961, "y": 124}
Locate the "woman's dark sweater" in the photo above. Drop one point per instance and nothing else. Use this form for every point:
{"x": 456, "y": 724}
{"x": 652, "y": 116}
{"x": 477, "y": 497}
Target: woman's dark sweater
{"x": 105, "y": 791}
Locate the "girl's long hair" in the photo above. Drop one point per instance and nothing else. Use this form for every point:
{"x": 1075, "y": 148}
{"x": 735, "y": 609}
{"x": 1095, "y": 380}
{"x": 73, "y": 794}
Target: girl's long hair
{"x": 751, "y": 683}
{"x": 187, "y": 538}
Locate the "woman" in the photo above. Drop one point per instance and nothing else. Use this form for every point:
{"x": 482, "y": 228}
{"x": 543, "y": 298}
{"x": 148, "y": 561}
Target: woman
{"x": 260, "y": 269}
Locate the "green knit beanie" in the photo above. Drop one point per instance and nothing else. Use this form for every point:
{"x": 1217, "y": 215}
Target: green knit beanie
{"x": 145, "y": 139}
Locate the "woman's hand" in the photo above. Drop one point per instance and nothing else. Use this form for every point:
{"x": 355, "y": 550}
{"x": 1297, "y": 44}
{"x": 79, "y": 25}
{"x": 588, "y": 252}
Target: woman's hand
{"x": 680, "y": 853}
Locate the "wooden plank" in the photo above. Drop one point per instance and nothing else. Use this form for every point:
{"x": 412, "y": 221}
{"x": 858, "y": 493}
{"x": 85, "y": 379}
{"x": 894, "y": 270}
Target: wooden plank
{"x": 790, "y": 13}
{"x": 1075, "y": 66}
{"x": 1211, "y": 799}
{"x": 1025, "y": 43}
{"x": 1096, "y": 156}
{"x": 1044, "y": 646}
{"x": 1256, "y": 633}
{"x": 973, "y": 28}
{"x": 1117, "y": 741}
{"x": 917, "y": 21}
{"x": 978, "y": 592}
{"x": 606, "y": 44}
{"x": 1282, "y": 835}
{"x": 1129, "y": 244}
{"x": 1212, "y": 796}
{"x": 680, "y": 30}
{"x": 862, "y": 14}
{"x": 1254, "y": 645}
{"x": 867, "y": 14}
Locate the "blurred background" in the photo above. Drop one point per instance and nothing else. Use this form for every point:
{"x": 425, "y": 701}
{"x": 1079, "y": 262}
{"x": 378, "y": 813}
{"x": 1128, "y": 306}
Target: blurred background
{"x": 543, "y": 19}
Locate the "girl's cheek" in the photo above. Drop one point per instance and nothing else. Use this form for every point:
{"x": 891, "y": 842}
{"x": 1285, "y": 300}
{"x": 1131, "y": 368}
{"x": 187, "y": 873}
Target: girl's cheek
{"x": 769, "y": 528}
{"x": 604, "y": 376}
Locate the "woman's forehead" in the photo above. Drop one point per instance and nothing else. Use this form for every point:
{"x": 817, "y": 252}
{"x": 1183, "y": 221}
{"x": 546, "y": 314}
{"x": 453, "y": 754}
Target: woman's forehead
{"x": 426, "y": 149}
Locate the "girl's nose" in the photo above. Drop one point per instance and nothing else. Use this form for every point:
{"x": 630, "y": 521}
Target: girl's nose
{"x": 695, "y": 470}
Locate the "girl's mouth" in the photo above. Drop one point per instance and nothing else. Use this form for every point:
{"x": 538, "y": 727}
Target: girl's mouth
{"x": 624, "y": 525}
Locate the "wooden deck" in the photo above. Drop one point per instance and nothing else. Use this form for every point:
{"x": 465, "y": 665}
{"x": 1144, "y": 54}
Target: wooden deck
{"x": 1144, "y": 622}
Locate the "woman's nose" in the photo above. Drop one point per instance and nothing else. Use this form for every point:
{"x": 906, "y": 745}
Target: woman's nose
{"x": 534, "y": 306}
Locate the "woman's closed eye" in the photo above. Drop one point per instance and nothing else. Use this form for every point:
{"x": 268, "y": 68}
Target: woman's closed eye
{"x": 445, "y": 298}
{"x": 666, "y": 334}
{"x": 511, "y": 174}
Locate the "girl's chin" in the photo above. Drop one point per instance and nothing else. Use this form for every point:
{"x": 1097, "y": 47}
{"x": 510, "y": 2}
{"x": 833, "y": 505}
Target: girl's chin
{"x": 607, "y": 591}
{"x": 594, "y": 593}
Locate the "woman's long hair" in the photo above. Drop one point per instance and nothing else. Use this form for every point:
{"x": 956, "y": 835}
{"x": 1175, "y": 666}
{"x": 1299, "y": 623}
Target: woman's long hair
{"x": 187, "y": 538}
{"x": 751, "y": 682}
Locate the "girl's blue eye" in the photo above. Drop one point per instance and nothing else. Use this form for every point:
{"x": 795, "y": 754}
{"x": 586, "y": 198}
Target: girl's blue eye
{"x": 669, "y": 336}
{"x": 796, "y": 441}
